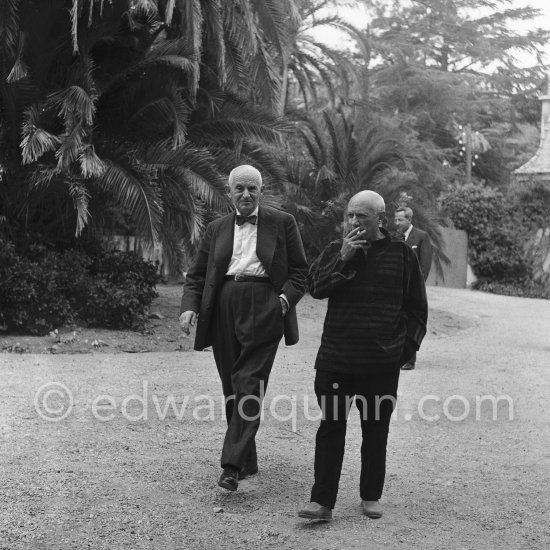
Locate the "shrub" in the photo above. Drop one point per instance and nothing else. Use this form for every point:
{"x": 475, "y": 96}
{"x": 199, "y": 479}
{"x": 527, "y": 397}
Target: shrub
{"x": 121, "y": 289}
{"x": 500, "y": 235}
{"x": 32, "y": 296}
{"x": 523, "y": 288}
{"x": 495, "y": 247}
{"x": 41, "y": 289}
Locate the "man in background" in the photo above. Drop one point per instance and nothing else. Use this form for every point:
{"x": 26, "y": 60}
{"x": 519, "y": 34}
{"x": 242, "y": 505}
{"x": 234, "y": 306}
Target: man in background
{"x": 420, "y": 242}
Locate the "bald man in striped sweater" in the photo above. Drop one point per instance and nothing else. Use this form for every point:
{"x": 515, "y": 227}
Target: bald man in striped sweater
{"x": 376, "y": 319}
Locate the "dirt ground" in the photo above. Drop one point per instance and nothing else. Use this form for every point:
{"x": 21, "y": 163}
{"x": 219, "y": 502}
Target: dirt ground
{"x": 103, "y": 447}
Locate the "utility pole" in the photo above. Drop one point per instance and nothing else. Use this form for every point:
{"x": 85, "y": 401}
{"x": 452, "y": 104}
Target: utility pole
{"x": 466, "y": 142}
{"x": 468, "y": 151}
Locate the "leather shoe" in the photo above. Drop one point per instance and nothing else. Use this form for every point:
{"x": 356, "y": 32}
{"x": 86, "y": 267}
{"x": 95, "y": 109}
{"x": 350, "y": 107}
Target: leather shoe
{"x": 248, "y": 471}
{"x": 229, "y": 479}
{"x": 315, "y": 510}
{"x": 371, "y": 508}
{"x": 408, "y": 366}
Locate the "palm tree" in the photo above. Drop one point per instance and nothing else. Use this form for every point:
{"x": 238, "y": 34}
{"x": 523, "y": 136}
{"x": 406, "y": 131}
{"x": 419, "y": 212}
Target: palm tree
{"x": 337, "y": 165}
{"x": 125, "y": 110}
{"x": 312, "y": 70}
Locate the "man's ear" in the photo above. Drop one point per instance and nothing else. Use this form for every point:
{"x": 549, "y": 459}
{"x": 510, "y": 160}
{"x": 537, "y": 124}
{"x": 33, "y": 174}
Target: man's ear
{"x": 227, "y": 189}
{"x": 382, "y": 219}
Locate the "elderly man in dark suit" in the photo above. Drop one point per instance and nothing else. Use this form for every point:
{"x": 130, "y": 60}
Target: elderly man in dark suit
{"x": 242, "y": 289}
{"x": 420, "y": 242}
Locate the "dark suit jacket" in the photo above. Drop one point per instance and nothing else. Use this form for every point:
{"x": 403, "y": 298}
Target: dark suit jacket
{"x": 279, "y": 248}
{"x": 420, "y": 242}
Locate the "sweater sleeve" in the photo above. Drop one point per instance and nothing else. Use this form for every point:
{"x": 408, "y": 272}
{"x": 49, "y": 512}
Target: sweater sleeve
{"x": 328, "y": 272}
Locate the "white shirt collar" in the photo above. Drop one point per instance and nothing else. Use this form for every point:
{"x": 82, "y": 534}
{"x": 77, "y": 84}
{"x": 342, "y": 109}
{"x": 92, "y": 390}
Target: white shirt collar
{"x": 408, "y": 232}
{"x": 255, "y": 213}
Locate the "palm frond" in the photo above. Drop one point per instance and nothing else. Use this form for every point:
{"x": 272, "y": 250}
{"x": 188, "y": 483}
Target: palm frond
{"x": 91, "y": 166}
{"x": 36, "y": 141}
{"x": 73, "y": 103}
{"x": 264, "y": 73}
{"x": 9, "y": 28}
{"x": 133, "y": 191}
{"x": 214, "y": 37}
{"x": 19, "y": 70}
{"x": 192, "y": 25}
{"x": 70, "y": 148}
{"x": 164, "y": 112}
{"x": 196, "y": 166}
{"x": 182, "y": 213}
{"x": 276, "y": 17}
{"x": 81, "y": 198}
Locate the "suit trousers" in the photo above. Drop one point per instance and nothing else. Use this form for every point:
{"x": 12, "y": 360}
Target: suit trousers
{"x": 375, "y": 397}
{"x": 247, "y": 328}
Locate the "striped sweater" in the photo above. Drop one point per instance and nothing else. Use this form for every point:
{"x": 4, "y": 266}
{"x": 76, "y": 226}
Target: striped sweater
{"x": 377, "y": 307}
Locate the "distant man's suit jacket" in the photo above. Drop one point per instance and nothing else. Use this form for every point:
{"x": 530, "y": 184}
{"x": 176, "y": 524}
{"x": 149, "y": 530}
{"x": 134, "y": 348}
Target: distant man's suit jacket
{"x": 420, "y": 242}
{"x": 279, "y": 248}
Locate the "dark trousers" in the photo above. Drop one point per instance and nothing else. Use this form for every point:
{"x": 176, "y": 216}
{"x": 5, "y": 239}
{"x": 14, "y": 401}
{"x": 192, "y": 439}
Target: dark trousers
{"x": 248, "y": 326}
{"x": 376, "y": 395}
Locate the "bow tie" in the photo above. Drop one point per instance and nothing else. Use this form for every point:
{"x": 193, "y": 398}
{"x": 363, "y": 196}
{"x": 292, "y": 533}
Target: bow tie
{"x": 243, "y": 219}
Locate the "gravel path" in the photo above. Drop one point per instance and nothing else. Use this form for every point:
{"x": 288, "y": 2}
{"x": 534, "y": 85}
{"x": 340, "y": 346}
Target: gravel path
{"x": 122, "y": 472}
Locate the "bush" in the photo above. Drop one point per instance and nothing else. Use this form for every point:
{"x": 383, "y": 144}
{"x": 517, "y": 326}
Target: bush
{"x": 31, "y": 294}
{"x": 522, "y": 288}
{"x": 499, "y": 230}
{"x": 41, "y": 289}
{"x": 495, "y": 247}
{"x": 121, "y": 289}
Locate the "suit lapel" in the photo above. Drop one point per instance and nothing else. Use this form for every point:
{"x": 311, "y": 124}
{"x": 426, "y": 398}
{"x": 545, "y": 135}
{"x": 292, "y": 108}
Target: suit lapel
{"x": 267, "y": 238}
{"x": 224, "y": 243}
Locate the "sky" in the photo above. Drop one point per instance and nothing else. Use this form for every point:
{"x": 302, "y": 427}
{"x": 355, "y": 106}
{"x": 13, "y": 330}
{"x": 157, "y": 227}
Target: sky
{"x": 358, "y": 16}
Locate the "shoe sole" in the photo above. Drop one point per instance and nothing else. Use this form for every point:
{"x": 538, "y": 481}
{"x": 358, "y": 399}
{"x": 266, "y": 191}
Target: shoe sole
{"x": 307, "y": 515}
{"x": 227, "y": 486}
{"x": 373, "y": 516}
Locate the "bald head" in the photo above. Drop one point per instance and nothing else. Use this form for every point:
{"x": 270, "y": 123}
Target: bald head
{"x": 368, "y": 199}
{"x": 244, "y": 172}
{"x": 366, "y": 211}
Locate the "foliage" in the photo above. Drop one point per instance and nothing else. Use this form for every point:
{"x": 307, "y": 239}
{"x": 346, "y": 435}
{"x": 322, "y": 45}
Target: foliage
{"x": 337, "y": 165}
{"x": 437, "y": 65}
{"x": 524, "y": 288}
{"x": 120, "y": 289}
{"x": 315, "y": 75}
{"x": 133, "y": 108}
{"x": 33, "y": 298}
{"x": 494, "y": 237}
{"x": 43, "y": 289}
{"x": 460, "y": 36}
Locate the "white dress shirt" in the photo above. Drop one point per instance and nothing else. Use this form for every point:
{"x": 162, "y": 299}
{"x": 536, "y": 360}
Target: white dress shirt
{"x": 407, "y": 233}
{"x": 244, "y": 260}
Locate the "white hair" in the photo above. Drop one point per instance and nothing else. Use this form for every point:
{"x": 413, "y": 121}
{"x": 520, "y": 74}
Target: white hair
{"x": 244, "y": 171}
{"x": 373, "y": 200}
